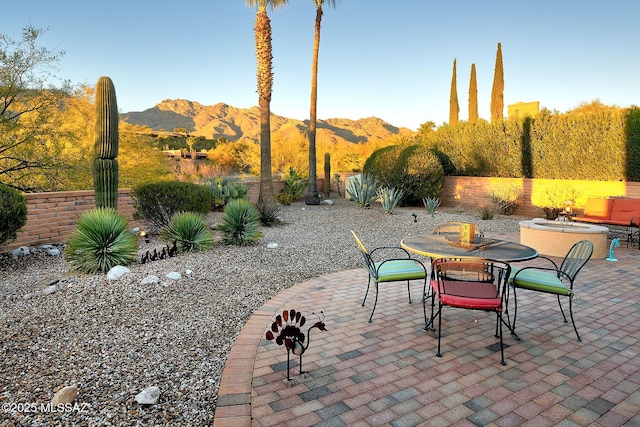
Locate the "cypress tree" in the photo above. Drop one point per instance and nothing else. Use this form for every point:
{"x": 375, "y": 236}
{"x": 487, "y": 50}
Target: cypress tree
{"x": 454, "y": 109}
{"x": 473, "y": 96}
{"x": 497, "y": 92}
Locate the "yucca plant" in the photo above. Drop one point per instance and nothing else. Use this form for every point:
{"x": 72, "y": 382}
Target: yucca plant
{"x": 101, "y": 241}
{"x": 431, "y": 204}
{"x": 240, "y": 223}
{"x": 389, "y": 197}
{"x": 363, "y": 190}
{"x": 190, "y": 232}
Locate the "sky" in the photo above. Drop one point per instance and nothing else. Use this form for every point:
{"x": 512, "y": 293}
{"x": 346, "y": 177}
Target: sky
{"x": 386, "y": 59}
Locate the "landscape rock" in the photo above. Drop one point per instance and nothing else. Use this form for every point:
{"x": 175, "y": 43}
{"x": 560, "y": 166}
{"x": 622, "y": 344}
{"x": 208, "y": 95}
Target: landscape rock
{"x": 174, "y": 275}
{"x": 327, "y": 202}
{"x": 148, "y": 396}
{"x": 150, "y": 279}
{"x": 272, "y": 245}
{"x": 64, "y": 395}
{"x": 20, "y": 252}
{"x": 117, "y": 272}
{"x": 53, "y": 251}
{"x": 49, "y": 290}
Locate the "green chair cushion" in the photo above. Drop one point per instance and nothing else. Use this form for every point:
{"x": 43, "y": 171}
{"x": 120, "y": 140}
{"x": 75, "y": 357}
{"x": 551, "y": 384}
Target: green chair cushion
{"x": 537, "y": 280}
{"x": 391, "y": 271}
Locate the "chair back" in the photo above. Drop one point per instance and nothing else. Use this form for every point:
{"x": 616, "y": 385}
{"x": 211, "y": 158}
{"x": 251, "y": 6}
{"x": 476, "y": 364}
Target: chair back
{"x": 471, "y": 278}
{"x": 575, "y": 259}
{"x": 365, "y": 254}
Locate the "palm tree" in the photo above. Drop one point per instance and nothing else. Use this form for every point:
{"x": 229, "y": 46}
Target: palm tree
{"x": 312, "y": 190}
{"x": 264, "y": 55}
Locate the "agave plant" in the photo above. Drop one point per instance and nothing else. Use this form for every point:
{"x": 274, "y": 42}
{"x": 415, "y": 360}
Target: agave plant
{"x": 189, "y": 230}
{"x": 390, "y": 197}
{"x": 431, "y": 204}
{"x": 240, "y": 223}
{"x": 363, "y": 190}
{"x": 100, "y": 242}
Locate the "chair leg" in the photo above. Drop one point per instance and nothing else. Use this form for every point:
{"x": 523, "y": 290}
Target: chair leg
{"x": 367, "y": 292}
{"x": 429, "y": 322}
{"x": 502, "y": 362}
{"x": 374, "y": 303}
{"x": 572, "y": 321}
{"x": 512, "y": 326}
{"x": 409, "y": 291}
{"x": 561, "y": 310}
{"x": 439, "y": 314}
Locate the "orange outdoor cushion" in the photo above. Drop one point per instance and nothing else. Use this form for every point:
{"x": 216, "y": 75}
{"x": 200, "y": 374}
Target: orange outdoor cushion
{"x": 598, "y": 207}
{"x": 626, "y": 209}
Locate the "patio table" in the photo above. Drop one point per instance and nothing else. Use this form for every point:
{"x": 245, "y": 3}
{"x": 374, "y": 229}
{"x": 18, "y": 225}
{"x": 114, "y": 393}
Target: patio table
{"x": 439, "y": 246}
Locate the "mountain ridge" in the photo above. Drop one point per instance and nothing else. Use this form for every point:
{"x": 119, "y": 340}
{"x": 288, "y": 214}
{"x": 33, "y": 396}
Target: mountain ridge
{"x": 222, "y": 120}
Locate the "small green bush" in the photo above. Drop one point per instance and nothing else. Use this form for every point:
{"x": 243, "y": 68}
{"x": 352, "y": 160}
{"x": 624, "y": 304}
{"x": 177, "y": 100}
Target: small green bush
{"x": 13, "y": 213}
{"x": 100, "y": 242}
{"x": 363, "y": 190}
{"x": 389, "y": 197}
{"x": 189, "y": 230}
{"x": 553, "y": 199}
{"x": 240, "y": 224}
{"x": 157, "y": 202}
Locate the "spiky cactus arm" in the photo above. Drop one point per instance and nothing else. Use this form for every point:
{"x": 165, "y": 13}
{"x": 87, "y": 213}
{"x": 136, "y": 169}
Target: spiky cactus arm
{"x": 105, "y": 165}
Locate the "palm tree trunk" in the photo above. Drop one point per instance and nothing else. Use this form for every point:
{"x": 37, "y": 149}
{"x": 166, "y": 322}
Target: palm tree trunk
{"x": 264, "y": 55}
{"x": 312, "y": 190}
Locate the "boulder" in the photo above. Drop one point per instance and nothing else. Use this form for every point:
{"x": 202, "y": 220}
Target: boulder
{"x": 148, "y": 396}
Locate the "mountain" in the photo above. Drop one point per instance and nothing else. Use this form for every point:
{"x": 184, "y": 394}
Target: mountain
{"x": 237, "y": 124}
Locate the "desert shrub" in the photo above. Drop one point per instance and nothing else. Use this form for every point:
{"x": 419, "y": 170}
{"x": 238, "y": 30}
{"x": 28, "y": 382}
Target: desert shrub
{"x": 157, "y": 202}
{"x": 100, "y": 242}
{"x": 553, "y": 199}
{"x": 414, "y": 169}
{"x": 389, "y": 197}
{"x": 189, "y": 230}
{"x": 486, "y": 212}
{"x": 506, "y": 197}
{"x": 13, "y": 213}
{"x": 424, "y": 175}
{"x": 240, "y": 224}
{"x": 224, "y": 190}
{"x": 363, "y": 190}
{"x": 382, "y": 164}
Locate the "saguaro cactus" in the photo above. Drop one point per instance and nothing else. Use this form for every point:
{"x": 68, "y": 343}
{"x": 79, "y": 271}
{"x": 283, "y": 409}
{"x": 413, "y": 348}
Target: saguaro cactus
{"x": 105, "y": 165}
{"x": 327, "y": 175}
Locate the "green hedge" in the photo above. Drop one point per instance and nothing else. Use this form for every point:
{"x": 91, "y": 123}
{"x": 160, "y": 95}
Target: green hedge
{"x": 593, "y": 145}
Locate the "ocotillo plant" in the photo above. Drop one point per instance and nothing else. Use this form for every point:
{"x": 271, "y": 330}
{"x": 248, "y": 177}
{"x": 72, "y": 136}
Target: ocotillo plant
{"x": 105, "y": 165}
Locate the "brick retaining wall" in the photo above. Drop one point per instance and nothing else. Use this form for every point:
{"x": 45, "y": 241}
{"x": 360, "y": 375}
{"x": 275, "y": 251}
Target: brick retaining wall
{"x": 51, "y": 217}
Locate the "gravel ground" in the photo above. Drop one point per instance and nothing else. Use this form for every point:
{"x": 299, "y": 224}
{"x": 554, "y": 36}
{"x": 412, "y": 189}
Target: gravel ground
{"x": 112, "y": 339}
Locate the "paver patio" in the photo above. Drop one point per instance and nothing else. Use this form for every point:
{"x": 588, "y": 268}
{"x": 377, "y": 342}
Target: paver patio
{"x": 386, "y": 372}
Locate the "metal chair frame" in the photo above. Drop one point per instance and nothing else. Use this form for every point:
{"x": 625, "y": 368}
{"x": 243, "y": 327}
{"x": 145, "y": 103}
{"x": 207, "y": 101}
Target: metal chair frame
{"x": 475, "y": 284}
{"x": 378, "y": 270}
{"x": 576, "y": 258}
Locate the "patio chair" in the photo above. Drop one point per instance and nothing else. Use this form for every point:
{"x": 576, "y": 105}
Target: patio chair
{"x": 452, "y": 228}
{"x": 400, "y": 268}
{"x": 552, "y": 280}
{"x": 471, "y": 284}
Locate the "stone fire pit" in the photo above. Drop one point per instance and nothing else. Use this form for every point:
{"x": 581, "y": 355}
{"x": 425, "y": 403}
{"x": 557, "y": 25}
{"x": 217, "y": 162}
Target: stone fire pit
{"x": 555, "y": 238}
